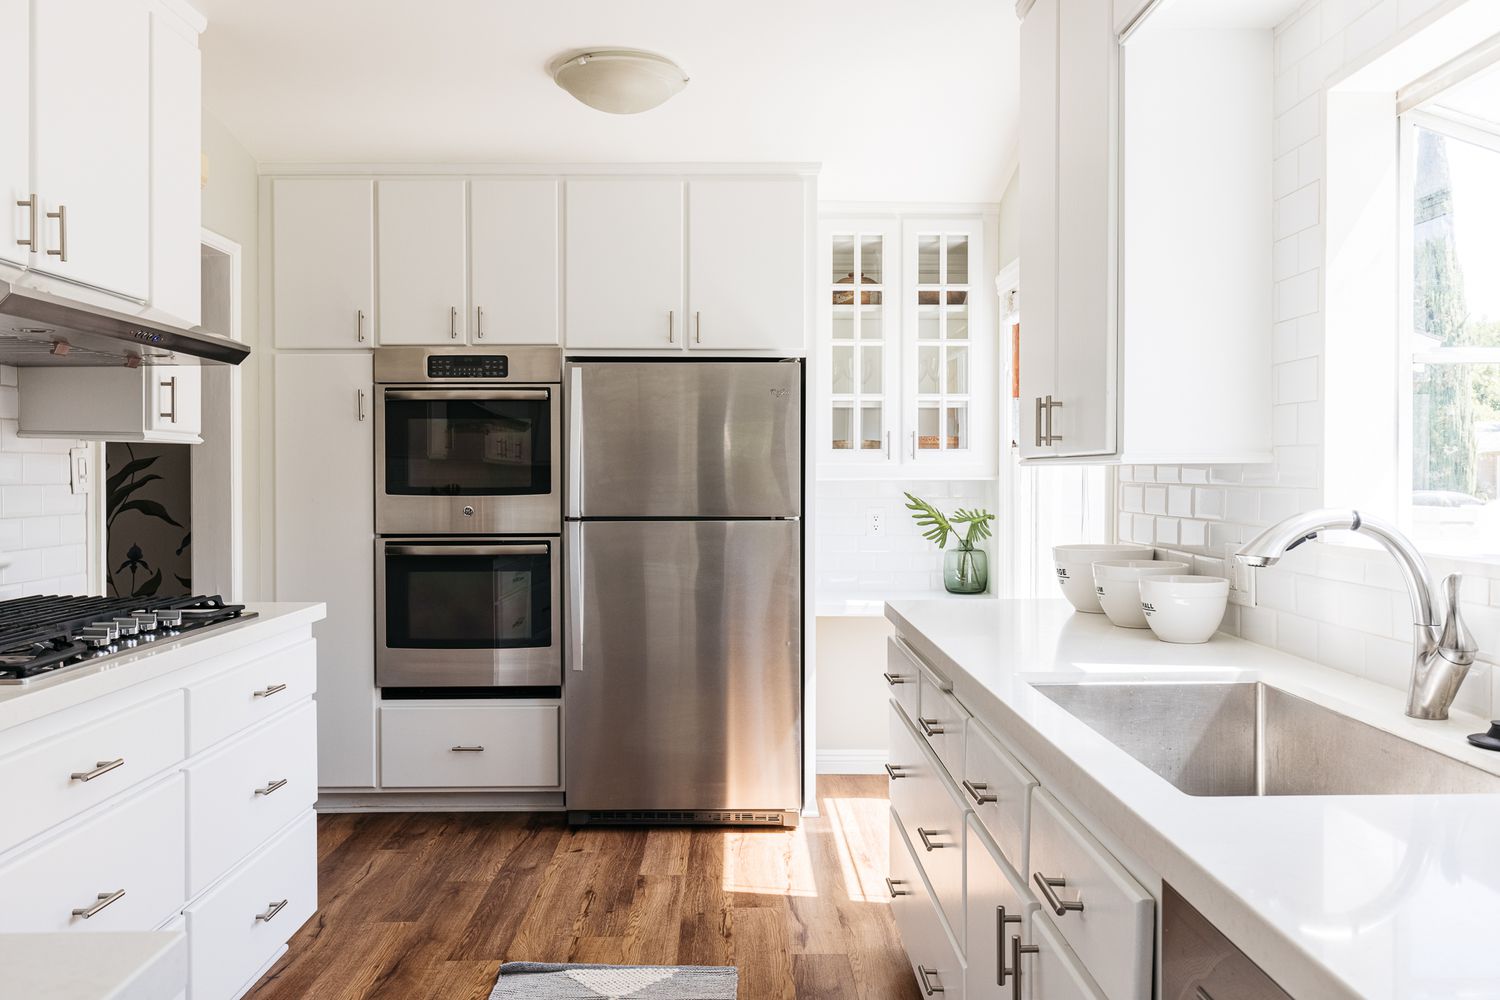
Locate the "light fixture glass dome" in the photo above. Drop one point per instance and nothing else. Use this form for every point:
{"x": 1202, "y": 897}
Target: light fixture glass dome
{"x": 619, "y": 81}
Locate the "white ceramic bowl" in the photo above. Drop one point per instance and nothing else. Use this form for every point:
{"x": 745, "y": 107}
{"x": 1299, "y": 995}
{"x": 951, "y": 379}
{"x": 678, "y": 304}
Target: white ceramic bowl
{"x": 1075, "y": 570}
{"x": 1184, "y": 608}
{"x": 1118, "y": 585}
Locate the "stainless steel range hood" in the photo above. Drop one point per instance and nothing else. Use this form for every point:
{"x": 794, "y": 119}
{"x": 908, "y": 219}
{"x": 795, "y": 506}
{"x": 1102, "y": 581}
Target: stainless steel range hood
{"x": 41, "y": 329}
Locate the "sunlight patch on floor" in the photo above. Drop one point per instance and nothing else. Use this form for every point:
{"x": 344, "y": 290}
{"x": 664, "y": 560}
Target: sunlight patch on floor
{"x": 859, "y": 834}
{"x": 766, "y": 862}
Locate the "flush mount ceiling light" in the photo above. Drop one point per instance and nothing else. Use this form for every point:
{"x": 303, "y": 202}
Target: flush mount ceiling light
{"x": 619, "y": 81}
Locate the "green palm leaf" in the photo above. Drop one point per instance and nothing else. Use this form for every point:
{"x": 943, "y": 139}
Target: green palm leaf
{"x": 935, "y": 525}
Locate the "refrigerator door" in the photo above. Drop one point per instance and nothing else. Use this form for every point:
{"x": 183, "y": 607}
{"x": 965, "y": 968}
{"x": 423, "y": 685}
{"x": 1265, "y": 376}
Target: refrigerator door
{"x": 684, "y": 673}
{"x": 685, "y": 439}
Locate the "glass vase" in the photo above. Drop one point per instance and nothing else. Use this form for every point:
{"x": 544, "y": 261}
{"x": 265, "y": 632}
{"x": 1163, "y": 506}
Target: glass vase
{"x": 966, "y": 571}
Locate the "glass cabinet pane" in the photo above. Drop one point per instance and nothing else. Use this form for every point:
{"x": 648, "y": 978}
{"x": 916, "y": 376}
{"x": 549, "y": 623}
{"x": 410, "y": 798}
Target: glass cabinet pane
{"x": 871, "y": 434}
{"x": 871, "y": 371}
{"x": 929, "y": 323}
{"x": 929, "y": 259}
{"x": 928, "y": 370}
{"x": 842, "y": 375}
{"x": 843, "y": 259}
{"x": 956, "y": 380}
{"x": 927, "y": 427}
{"x": 958, "y": 260}
{"x": 956, "y": 323}
{"x": 870, "y": 257}
{"x": 843, "y": 323}
{"x": 843, "y": 425}
{"x": 856, "y": 380}
{"x": 956, "y": 426}
{"x": 869, "y": 323}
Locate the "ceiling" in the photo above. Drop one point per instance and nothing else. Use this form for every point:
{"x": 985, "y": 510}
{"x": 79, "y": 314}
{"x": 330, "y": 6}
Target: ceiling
{"x": 899, "y": 101}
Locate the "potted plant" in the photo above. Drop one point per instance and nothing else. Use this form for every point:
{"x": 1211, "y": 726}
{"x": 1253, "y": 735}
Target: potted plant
{"x": 966, "y": 569}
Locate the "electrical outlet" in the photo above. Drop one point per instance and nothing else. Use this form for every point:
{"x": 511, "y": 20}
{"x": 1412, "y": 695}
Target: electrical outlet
{"x": 1241, "y": 579}
{"x": 875, "y": 521}
{"x": 81, "y": 469}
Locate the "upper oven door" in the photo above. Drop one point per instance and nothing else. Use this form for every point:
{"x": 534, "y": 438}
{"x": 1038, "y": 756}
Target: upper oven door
{"x": 468, "y": 460}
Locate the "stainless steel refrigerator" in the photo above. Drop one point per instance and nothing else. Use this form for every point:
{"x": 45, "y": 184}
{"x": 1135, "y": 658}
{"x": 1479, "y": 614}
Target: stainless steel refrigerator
{"x": 683, "y": 670}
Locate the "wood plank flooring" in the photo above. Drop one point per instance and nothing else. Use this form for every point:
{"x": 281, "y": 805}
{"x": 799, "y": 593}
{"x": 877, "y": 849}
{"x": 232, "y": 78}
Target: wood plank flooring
{"x": 427, "y": 905}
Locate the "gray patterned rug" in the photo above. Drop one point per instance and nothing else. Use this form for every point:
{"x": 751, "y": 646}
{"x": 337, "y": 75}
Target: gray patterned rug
{"x": 535, "y": 981}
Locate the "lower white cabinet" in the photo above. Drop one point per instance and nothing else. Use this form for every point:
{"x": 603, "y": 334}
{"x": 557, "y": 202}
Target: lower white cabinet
{"x": 160, "y": 403}
{"x": 470, "y": 746}
{"x": 998, "y": 909}
{"x": 930, "y": 947}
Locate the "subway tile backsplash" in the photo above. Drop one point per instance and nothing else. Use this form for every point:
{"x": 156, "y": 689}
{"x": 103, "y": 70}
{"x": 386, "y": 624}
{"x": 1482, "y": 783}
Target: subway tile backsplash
{"x": 43, "y": 523}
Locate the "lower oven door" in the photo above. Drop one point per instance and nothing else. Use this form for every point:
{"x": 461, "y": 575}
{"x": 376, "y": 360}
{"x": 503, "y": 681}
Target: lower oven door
{"x": 466, "y": 613}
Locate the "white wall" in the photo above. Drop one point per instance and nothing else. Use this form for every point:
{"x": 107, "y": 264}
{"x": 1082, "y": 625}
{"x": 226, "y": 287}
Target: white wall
{"x": 43, "y": 524}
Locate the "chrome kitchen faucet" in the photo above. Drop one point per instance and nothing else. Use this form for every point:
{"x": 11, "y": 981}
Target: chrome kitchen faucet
{"x": 1442, "y": 647}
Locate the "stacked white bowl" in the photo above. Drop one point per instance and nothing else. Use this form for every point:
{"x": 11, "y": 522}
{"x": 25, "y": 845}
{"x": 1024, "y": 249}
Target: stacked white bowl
{"x": 1184, "y": 608}
{"x": 1075, "y": 570}
{"x": 1118, "y": 584}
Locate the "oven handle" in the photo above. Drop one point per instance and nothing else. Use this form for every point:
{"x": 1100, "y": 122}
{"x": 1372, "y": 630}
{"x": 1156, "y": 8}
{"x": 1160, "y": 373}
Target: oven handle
{"x": 481, "y": 394}
{"x": 466, "y": 550}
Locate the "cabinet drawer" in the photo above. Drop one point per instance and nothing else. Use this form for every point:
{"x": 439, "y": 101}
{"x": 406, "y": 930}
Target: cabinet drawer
{"x": 998, "y": 908}
{"x": 469, "y": 746}
{"x": 932, "y": 816}
{"x": 247, "y": 791}
{"x": 999, "y": 791}
{"x": 236, "y": 699}
{"x": 929, "y": 947}
{"x": 62, "y": 777}
{"x": 902, "y": 676}
{"x": 942, "y": 721}
{"x": 238, "y": 927}
{"x": 1054, "y": 972}
{"x": 1113, "y": 932}
{"x": 131, "y": 852}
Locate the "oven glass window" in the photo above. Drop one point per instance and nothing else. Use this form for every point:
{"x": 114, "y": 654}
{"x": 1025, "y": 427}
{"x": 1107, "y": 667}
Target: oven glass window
{"x": 468, "y": 447}
{"x": 468, "y": 601}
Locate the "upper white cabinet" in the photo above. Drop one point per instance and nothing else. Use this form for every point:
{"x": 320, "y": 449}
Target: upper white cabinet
{"x": 514, "y": 266}
{"x": 625, "y": 262}
{"x": 17, "y": 222}
{"x": 424, "y": 272}
{"x": 158, "y": 403}
{"x": 323, "y": 275}
{"x": 746, "y": 264}
{"x": 1144, "y": 236}
{"x": 176, "y": 169}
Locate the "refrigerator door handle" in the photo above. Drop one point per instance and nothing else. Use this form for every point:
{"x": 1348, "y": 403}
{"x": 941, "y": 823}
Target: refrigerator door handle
{"x": 574, "y": 620}
{"x": 575, "y": 442}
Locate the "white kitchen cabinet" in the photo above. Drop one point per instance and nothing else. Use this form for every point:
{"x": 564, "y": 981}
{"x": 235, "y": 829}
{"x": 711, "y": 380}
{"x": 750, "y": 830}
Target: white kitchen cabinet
{"x": 424, "y": 267}
{"x": 747, "y": 267}
{"x": 324, "y": 524}
{"x": 997, "y": 911}
{"x": 91, "y": 122}
{"x": 515, "y": 265}
{"x": 17, "y": 222}
{"x": 323, "y": 272}
{"x": 470, "y": 745}
{"x": 176, "y": 169}
{"x": 860, "y": 261}
{"x": 162, "y": 403}
{"x": 624, "y": 248}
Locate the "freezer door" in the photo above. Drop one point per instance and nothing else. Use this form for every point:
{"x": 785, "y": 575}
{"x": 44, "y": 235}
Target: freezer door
{"x": 685, "y": 439}
{"x": 683, "y": 686}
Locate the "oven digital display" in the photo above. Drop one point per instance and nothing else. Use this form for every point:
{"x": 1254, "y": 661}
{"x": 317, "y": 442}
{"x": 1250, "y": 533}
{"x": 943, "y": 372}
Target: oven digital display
{"x": 468, "y": 366}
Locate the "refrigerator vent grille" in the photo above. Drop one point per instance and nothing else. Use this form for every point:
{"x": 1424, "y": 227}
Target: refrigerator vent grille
{"x": 697, "y": 817}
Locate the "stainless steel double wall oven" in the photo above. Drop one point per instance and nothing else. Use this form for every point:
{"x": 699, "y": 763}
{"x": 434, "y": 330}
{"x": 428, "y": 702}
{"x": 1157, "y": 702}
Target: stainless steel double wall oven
{"x": 468, "y": 517}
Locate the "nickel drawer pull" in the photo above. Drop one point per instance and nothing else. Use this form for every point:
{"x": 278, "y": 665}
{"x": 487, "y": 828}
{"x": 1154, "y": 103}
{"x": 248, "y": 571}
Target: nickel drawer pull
{"x": 1037, "y": 424}
{"x": 453, "y": 322}
{"x": 895, "y": 771}
{"x": 464, "y": 749}
{"x": 697, "y": 327}
{"x": 1049, "y": 887}
{"x": 671, "y": 316}
{"x": 100, "y": 767}
{"x": 271, "y": 910}
{"x": 891, "y": 883}
{"x": 894, "y": 679}
{"x": 273, "y": 786}
{"x": 931, "y": 727}
{"x": 104, "y": 899}
{"x": 923, "y": 972}
{"x": 977, "y": 792}
{"x": 61, "y": 215}
{"x": 479, "y": 322}
{"x": 927, "y": 835}
{"x": 170, "y": 413}
{"x": 359, "y": 325}
{"x": 270, "y": 690}
{"x": 1001, "y": 919}
{"x": 1199, "y": 993}
{"x": 1017, "y": 949}
{"x": 30, "y": 240}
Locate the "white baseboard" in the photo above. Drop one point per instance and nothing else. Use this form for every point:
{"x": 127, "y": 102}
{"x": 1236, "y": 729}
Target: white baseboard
{"x": 852, "y": 761}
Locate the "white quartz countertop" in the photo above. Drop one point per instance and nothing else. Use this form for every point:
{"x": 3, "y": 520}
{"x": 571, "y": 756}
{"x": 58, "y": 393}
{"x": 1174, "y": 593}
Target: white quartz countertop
{"x": 24, "y": 702}
{"x": 1384, "y": 897}
{"x": 148, "y": 965}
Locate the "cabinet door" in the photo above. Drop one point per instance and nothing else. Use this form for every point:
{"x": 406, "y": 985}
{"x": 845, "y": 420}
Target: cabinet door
{"x": 860, "y": 261}
{"x": 1038, "y": 349}
{"x": 513, "y": 233}
{"x": 176, "y": 144}
{"x": 174, "y": 399}
{"x": 424, "y": 266}
{"x": 997, "y": 911}
{"x": 747, "y": 265}
{"x": 624, "y": 255}
{"x": 15, "y": 131}
{"x": 323, "y": 234}
{"x": 325, "y": 464}
{"x": 1084, "y": 422}
{"x": 91, "y": 125}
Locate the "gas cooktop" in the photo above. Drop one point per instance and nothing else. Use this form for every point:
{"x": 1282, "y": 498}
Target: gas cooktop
{"x": 43, "y": 636}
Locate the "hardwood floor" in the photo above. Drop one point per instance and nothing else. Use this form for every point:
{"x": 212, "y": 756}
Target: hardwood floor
{"x": 428, "y": 905}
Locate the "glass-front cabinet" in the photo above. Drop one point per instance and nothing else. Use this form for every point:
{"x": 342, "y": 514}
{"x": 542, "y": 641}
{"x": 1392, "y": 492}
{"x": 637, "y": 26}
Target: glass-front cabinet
{"x": 910, "y": 369}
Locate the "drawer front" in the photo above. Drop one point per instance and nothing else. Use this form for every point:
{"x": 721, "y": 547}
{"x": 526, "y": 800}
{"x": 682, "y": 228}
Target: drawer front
{"x": 933, "y": 817}
{"x": 248, "y": 790}
{"x": 1113, "y": 932}
{"x": 62, "y": 777}
{"x": 907, "y": 766}
{"x": 463, "y": 746}
{"x": 942, "y": 721}
{"x": 902, "y": 677}
{"x": 124, "y": 864}
{"x": 1054, "y": 972}
{"x": 237, "y": 699}
{"x": 998, "y": 909}
{"x": 999, "y": 791}
{"x": 933, "y": 955}
{"x": 238, "y": 927}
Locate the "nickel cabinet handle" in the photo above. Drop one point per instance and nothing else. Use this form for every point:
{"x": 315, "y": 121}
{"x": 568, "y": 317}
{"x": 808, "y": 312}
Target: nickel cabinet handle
{"x": 171, "y": 386}
{"x": 894, "y": 679}
{"x": 697, "y": 328}
{"x": 887, "y": 444}
{"x": 100, "y": 768}
{"x": 359, "y": 325}
{"x": 671, "y": 320}
{"x": 464, "y": 749}
{"x": 1001, "y": 919}
{"x": 928, "y": 977}
{"x": 271, "y": 911}
{"x": 978, "y": 792}
{"x": 913, "y": 444}
{"x": 891, "y": 883}
{"x": 927, "y": 841}
{"x": 931, "y": 727}
{"x": 61, "y": 215}
{"x": 101, "y": 901}
{"x": 270, "y": 690}
{"x": 273, "y": 786}
{"x": 1041, "y": 439}
{"x": 1049, "y": 404}
{"x": 479, "y": 322}
{"x": 453, "y": 322}
{"x": 896, "y": 771}
{"x": 1049, "y": 887}
{"x": 359, "y": 404}
{"x": 30, "y": 204}
{"x": 1017, "y": 949}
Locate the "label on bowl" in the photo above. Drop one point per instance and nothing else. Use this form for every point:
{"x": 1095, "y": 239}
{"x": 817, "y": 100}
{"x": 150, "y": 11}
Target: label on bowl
{"x": 1099, "y": 590}
{"x": 1148, "y": 609}
{"x": 1062, "y": 574}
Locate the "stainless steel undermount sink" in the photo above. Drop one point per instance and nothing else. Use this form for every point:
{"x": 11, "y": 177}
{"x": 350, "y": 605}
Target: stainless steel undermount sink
{"x": 1246, "y": 738}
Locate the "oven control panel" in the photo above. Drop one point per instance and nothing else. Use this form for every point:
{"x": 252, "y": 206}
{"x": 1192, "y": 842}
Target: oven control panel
{"x": 468, "y": 366}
